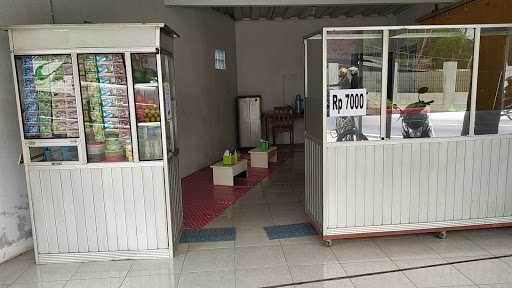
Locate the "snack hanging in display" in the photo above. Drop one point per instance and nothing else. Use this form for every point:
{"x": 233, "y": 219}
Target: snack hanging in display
{"x": 107, "y": 110}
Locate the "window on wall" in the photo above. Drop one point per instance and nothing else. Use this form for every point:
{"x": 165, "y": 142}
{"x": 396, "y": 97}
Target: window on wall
{"x": 494, "y": 93}
{"x": 220, "y": 59}
{"x": 429, "y": 81}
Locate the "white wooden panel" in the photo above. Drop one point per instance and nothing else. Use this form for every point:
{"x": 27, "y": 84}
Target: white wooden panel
{"x": 140, "y": 215}
{"x": 129, "y": 206}
{"x": 424, "y": 177}
{"x": 161, "y": 214}
{"x": 122, "y": 235}
{"x": 493, "y": 178}
{"x": 405, "y": 196}
{"x": 503, "y": 188}
{"x": 314, "y": 190}
{"x": 451, "y": 164}
{"x": 508, "y": 196}
{"x": 110, "y": 211}
{"x": 340, "y": 187}
{"x": 331, "y": 188}
{"x": 467, "y": 180}
{"x": 46, "y": 188}
{"x": 351, "y": 186}
{"x": 379, "y": 185}
{"x": 38, "y": 206}
{"x": 460, "y": 172}
{"x": 387, "y": 195}
{"x": 78, "y": 200}
{"x": 433, "y": 167}
{"x": 396, "y": 191}
{"x": 441, "y": 181}
{"x": 149, "y": 202}
{"x": 477, "y": 177}
{"x": 485, "y": 176}
{"x": 99, "y": 210}
{"x": 369, "y": 185}
{"x": 69, "y": 210}
{"x": 58, "y": 206}
{"x": 90, "y": 214}
{"x": 414, "y": 214}
{"x": 360, "y": 179}
{"x": 421, "y": 183}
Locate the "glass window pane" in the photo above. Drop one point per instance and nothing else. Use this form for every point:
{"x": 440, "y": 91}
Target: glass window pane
{"x": 105, "y": 107}
{"x": 354, "y": 65}
{"x": 47, "y": 96}
{"x": 429, "y": 83}
{"x": 53, "y": 153}
{"x": 494, "y": 94}
{"x": 147, "y": 106}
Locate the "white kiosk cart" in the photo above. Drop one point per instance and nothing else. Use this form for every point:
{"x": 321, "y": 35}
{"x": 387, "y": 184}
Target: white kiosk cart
{"x": 408, "y": 129}
{"x": 97, "y": 117}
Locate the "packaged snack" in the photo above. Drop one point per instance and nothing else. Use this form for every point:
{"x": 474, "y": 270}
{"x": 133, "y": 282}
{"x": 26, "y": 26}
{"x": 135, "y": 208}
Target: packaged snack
{"x": 26, "y": 60}
{"x": 72, "y": 124}
{"x": 101, "y": 58}
{"x": 118, "y": 69}
{"x": 45, "y": 116}
{"x": 91, "y": 77}
{"x": 31, "y": 127}
{"x": 96, "y": 117}
{"x": 120, "y": 79}
{"x": 124, "y": 123}
{"x": 59, "y": 114}
{"x": 32, "y": 116}
{"x": 90, "y": 67}
{"x": 95, "y": 103}
{"x": 99, "y": 133}
{"x": 45, "y": 106}
{"x": 125, "y": 133}
{"x": 45, "y": 128}
{"x": 59, "y": 103}
{"x": 29, "y": 82}
{"x": 68, "y": 69}
{"x": 117, "y": 58}
{"x": 107, "y": 90}
{"x": 107, "y": 79}
{"x": 111, "y": 123}
{"x": 59, "y": 126}
{"x": 28, "y": 70}
{"x": 120, "y": 91}
{"x": 70, "y": 103}
{"x": 30, "y": 105}
{"x": 105, "y": 68}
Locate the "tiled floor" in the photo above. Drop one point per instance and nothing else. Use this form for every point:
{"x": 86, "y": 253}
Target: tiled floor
{"x": 254, "y": 261}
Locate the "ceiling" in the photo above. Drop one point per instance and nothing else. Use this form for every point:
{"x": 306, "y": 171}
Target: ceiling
{"x": 309, "y": 12}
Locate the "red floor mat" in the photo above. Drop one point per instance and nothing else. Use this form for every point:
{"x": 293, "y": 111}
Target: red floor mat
{"x": 203, "y": 201}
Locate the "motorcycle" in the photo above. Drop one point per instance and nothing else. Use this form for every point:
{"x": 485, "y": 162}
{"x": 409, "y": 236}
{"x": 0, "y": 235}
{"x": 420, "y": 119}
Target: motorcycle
{"x": 415, "y": 119}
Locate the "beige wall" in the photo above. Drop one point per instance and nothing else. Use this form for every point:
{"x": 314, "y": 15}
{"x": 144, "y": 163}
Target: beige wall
{"x": 270, "y": 59}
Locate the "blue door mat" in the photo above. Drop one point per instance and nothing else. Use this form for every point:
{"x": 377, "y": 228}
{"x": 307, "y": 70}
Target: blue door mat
{"x": 290, "y": 231}
{"x": 208, "y": 235}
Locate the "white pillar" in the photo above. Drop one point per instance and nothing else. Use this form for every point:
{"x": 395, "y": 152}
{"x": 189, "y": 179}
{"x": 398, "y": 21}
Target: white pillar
{"x": 449, "y": 82}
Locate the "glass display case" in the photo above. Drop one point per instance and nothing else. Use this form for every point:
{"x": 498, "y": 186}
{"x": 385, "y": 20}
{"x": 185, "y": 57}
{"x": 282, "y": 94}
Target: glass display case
{"x": 96, "y": 117}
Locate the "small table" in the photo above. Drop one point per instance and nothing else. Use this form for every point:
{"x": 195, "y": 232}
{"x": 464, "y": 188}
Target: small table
{"x": 225, "y": 174}
{"x": 260, "y": 158}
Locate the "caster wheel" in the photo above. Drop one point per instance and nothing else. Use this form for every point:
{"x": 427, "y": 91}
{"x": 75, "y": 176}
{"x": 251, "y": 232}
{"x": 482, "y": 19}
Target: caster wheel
{"x": 442, "y": 235}
{"x": 328, "y": 243}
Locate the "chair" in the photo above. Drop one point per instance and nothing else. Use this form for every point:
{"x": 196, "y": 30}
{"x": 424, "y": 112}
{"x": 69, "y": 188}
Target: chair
{"x": 282, "y": 122}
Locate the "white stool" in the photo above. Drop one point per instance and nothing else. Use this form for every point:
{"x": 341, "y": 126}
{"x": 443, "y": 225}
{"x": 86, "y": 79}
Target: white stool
{"x": 260, "y": 159}
{"x": 225, "y": 174}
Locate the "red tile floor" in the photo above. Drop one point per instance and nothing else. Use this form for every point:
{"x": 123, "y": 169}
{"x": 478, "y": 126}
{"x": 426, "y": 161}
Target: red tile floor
{"x": 203, "y": 201}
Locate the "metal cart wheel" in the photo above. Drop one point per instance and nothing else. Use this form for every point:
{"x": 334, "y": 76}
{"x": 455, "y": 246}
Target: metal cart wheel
{"x": 328, "y": 243}
{"x": 442, "y": 235}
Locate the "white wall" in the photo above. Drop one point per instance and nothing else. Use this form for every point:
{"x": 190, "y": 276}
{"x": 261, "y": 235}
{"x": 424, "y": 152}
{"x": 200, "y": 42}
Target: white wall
{"x": 15, "y": 227}
{"x": 270, "y": 58}
{"x": 206, "y": 113}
